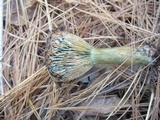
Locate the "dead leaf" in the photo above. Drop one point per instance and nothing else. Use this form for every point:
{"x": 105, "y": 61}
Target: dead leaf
{"x": 101, "y": 105}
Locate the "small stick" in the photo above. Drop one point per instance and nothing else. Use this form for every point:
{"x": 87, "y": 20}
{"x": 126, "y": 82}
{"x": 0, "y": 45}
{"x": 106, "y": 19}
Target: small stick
{"x": 69, "y": 56}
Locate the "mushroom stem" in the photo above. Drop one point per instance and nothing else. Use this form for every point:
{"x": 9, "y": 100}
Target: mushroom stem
{"x": 117, "y": 55}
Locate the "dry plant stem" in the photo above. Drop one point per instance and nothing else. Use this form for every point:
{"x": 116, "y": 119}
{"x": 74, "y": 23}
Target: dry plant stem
{"x": 69, "y": 56}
